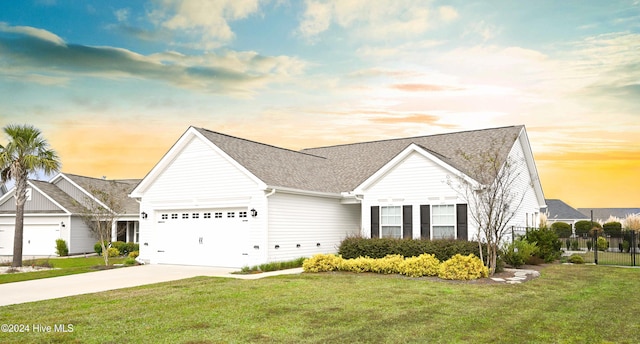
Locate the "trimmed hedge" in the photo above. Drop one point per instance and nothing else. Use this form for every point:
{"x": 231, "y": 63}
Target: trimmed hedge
{"x": 584, "y": 226}
{"x": 614, "y": 229}
{"x": 563, "y": 230}
{"x": 123, "y": 247}
{"x": 355, "y": 247}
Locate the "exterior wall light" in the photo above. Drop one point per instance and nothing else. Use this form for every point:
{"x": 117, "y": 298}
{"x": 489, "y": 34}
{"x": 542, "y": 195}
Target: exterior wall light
{"x": 254, "y": 212}
{"x": 143, "y": 215}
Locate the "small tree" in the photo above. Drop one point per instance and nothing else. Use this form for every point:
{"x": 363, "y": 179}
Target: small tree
{"x": 494, "y": 195}
{"x": 102, "y": 211}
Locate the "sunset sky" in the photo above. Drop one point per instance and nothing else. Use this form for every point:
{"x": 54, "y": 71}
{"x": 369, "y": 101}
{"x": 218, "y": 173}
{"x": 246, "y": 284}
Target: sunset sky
{"x": 113, "y": 84}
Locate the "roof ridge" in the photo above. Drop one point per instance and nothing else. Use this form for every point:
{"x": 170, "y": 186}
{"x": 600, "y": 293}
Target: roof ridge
{"x": 414, "y": 137}
{"x": 259, "y": 143}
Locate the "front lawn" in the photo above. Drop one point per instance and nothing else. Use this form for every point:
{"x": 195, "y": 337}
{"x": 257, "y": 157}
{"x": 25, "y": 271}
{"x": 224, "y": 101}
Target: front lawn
{"x": 568, "y": 304}
{"x": 62, "y": 267}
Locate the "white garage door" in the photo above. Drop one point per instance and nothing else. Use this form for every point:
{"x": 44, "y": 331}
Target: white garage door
{"x": 38, "y": 240}
{"x": 211, "y": 237}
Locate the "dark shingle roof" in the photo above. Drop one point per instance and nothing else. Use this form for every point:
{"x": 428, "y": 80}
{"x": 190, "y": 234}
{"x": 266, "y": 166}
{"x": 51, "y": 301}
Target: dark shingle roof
{"x": 58, "y": 196}
{"x": 602, "y": 214}
{"x": 123, "y": 188}
{"x": 344, "y": 167}
{"x": 558, "y": 210}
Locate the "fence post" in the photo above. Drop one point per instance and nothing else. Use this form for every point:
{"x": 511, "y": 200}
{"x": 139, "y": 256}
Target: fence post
{"x": 633, "y": 244}
{"x": 513, "y": 238}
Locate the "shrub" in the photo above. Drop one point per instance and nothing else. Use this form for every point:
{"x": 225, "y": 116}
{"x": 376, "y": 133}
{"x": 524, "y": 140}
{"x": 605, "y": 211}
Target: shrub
{"x": 387, "y": 265}
{"x": 134, "y": 254}
{"x": 547, "y": 242}
{"x": 583, "y": 227}
{"x": 357, "y": 265}
{"x": 98, "y": 248}
{"x": 602, "y": 244}
{"x": 626, "y": 247}
{"x": 422, "y": 265}
{"x": 563, "y": 230}
{"x": 275, "y": 266}
{"x": 61, "y": 248}
{"x": 518, "y": 252}
{"x": 354, "y": 247}
{"x": 575, "y": 246}
{"x": 567, "y": 242}
{"x": 589, "y": 245}
{"x": 576, "y": 259}
{"x": 632, "y": 222}
{"x": 613, "y": 229}
{"x": 125, "y": 247}
{"x": 113, "y": 252}
{"x": 322, "y": 263}
{"x": 461, "y": 267}
{"x": 130, "y": 261}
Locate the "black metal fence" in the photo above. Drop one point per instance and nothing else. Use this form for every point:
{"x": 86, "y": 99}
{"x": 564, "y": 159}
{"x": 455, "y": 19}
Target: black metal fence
{"x": 604, "y": 249}
{"x": 622, "y": 248}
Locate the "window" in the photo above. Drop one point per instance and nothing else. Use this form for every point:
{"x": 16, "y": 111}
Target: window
{"x": 443, "y": 221}
{"x": 174, "y": 216}
{"x": 391, "y": 222}
{"x": 207, "y": 215}
{"x": 165, "y": 216}
{"x": 195, "y": 215}
{"x": 231, "y": 214}
{"x": 242, "y": 214}
{"x": 185, "y": 216}
{"x": 218, "y": 215}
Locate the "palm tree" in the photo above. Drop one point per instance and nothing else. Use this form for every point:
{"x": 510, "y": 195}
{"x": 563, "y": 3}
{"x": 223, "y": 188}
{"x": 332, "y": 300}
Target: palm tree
{"x": 26, "y": 153}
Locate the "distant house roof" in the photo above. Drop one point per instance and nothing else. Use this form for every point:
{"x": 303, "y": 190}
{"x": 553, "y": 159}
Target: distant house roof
{"x": 342, "y": 168}
{"x": 602, "y": 214}
{"x": 58, "y": 196}
{"x": 559, "y": 210}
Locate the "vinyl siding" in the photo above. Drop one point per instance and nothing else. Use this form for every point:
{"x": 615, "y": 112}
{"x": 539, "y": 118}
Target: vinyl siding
{"x": 200, "y": 178}
{"x": 72, "y": 190}
{"x": 81, "y": 238}
{"x": 38, "y": 203}
{"x": 523, "y": 185}
{"x": 414, "y": 181}
{"x": 306, "y": 221}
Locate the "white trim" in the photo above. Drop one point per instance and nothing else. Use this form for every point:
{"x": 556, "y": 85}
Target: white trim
{"x": 175, "y": 150}
{"x": 84, "y": 191}
{"x": 304, "y": 192}
{"x": 400, "y": 157}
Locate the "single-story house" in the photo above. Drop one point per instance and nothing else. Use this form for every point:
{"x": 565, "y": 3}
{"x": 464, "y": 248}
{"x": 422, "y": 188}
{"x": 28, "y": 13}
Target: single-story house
{"x": 54, "y": 210}
{"x": 219, "y": 200}
{"x": 603, "y": 215}
{"x": 559, "y": 211}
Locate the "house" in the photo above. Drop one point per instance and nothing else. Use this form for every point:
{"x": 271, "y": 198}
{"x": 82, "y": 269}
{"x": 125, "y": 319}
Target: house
{"x": 54, "y": 210}
{"x": 559, "y": 211}
{"x": 219, "y": 200}
{"x": 603, "y": 215}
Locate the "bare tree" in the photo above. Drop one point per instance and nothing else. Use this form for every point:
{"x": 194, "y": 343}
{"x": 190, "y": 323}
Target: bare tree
{"x": 493, "y": 193}
{"x": 102, "y": 211}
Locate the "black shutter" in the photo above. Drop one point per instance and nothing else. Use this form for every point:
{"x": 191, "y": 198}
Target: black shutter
{"x": 407, "y": 221}
{"x": 461, "y": 222}
{"x": 425, "y": 222}
{"x": 375, "y": 222}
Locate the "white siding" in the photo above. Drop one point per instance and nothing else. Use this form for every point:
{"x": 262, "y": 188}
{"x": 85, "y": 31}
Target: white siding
{"x": 201, "y": 178}
{"x": 306, "y": 221}
{"x": 416, "y": 180}
{"x": 528, "y": 213}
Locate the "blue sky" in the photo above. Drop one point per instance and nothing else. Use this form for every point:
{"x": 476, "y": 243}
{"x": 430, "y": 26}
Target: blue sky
{"x": 114, "y": 83}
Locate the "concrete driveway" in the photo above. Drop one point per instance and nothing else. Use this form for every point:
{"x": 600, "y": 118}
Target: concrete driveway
{"x": 93, "y": 282}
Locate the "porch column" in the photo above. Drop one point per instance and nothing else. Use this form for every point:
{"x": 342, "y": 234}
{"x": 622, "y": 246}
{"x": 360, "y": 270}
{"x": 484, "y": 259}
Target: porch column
{"x": 114, "y": 231}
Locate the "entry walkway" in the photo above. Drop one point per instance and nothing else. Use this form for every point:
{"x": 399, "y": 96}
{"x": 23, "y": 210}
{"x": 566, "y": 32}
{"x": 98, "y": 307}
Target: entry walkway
{"x": 93, "y": 282}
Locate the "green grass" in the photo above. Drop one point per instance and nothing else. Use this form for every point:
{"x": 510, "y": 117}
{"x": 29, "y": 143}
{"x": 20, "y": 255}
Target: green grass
{"x": 568, "y": 304}
{"x": 62, "y": 267}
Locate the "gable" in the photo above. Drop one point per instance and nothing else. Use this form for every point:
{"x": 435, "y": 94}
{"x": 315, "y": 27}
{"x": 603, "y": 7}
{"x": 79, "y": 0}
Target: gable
{"x": 39, "y": 202}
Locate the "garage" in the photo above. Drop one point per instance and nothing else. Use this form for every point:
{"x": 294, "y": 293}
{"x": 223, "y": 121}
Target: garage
{"x": 38, "y": 240}
{"x": 212, "y": 237}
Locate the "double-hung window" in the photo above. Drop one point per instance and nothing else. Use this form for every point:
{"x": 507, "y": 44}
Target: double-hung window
{"x": 443, "y": 221}
{"x": 391, "y": 222}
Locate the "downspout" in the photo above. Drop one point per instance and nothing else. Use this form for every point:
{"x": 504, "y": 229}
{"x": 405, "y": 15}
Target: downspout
{"x": 273, "y": 190}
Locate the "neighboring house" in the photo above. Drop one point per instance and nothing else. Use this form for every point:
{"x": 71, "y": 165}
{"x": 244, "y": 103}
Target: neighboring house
{"x": 219, "y": 200}
{"x": 602, "y": 215}
{"x": 559, "y": 211}
{"x": 53, "y": 210}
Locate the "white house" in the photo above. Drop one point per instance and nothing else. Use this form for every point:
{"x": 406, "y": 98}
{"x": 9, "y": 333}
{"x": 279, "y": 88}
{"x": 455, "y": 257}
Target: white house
{"x": 219, "y": 200}
{"x": 54, "y": 210}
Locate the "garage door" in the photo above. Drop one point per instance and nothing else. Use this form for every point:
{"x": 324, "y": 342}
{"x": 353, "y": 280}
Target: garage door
{"x": 211, "y": 237}
{"x": 38, "y": 240}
